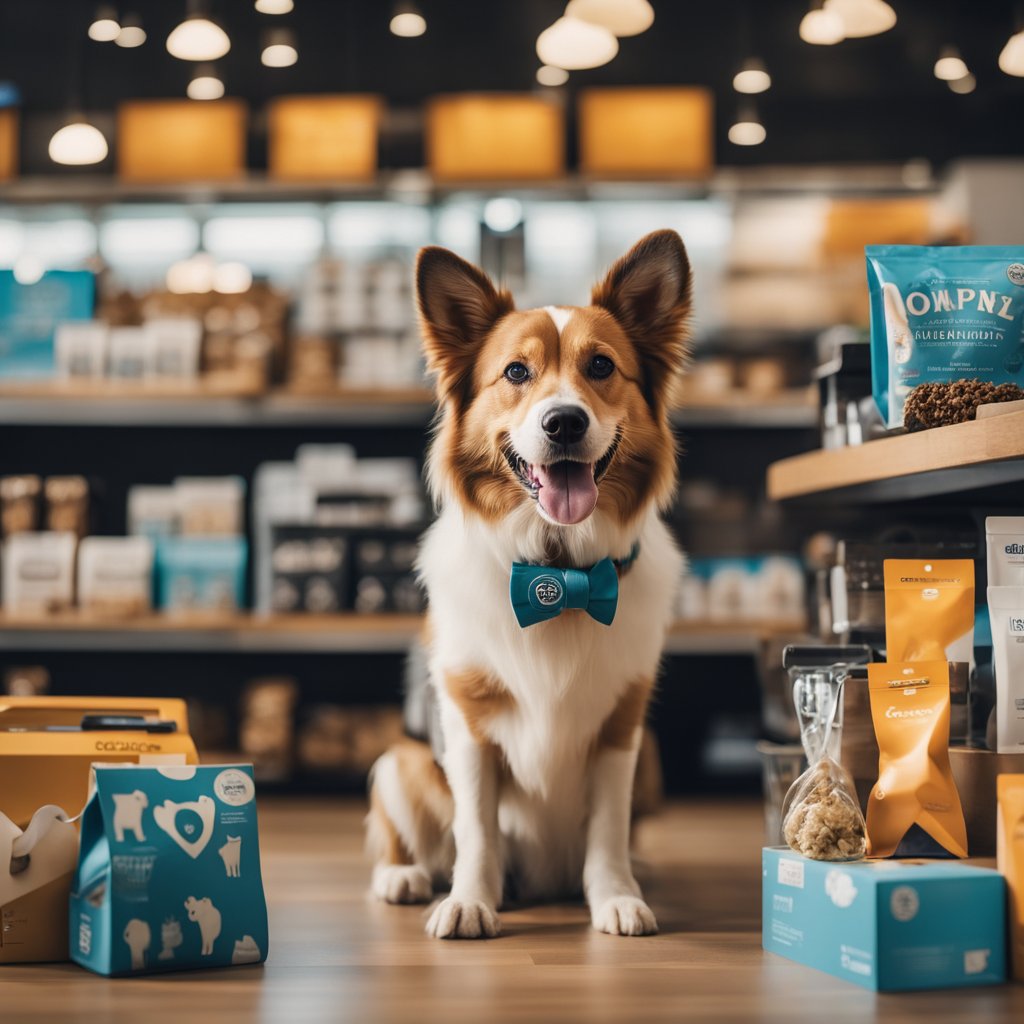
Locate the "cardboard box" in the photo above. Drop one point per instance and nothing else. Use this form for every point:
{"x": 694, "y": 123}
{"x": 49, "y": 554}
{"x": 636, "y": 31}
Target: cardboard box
{"x": 647, "y": 132}
{"x": 494, "y": 137}
{"x": 884, "y": 924}
{"x": 39, "y": 765}
{"x": 324, "y": 137}
{"x": 180, "y": 140}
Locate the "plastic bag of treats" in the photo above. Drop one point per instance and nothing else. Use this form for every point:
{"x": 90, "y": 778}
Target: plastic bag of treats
{"x": 821, "y": 817}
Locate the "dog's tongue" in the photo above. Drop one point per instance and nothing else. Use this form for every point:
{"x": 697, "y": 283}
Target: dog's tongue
{"x": 567, "y": 492}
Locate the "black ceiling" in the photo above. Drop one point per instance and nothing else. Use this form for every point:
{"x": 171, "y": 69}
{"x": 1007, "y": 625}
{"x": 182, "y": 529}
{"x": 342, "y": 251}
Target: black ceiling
{"x": 863, "y": 100}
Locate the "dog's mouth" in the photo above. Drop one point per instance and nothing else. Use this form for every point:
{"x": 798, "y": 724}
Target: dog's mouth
{"x": 567, "y": 489}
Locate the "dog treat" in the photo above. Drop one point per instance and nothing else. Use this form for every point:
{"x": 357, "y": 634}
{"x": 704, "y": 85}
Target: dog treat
{"x": 929, "y": 609}
{"x": 943, "y": 314}
{"x": 915, "y": 787}
{"x": 937, "y": 404}
{"x": 19, "y": 504}
{"x": 824, "y": 821}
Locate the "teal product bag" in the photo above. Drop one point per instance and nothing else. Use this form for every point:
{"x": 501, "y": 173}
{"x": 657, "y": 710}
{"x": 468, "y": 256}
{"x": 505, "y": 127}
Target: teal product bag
{"x": 168, "y": 871}
{"x": 941, "y": 314}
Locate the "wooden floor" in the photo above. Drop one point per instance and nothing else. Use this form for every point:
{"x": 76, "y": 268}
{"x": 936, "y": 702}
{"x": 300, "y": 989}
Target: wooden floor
{"x": 337, "y": 957}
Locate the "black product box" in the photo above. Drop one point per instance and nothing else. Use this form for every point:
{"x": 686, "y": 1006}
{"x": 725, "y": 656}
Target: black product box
{"x": 309, "y": 568}
{"x": 383, "y": 570}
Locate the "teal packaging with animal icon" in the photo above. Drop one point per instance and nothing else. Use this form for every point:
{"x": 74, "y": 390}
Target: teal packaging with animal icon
{"x": 168, "y": 873}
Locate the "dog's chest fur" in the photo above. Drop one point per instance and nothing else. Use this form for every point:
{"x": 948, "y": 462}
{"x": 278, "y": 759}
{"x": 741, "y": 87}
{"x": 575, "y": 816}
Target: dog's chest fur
{"x": 565, "y": 676}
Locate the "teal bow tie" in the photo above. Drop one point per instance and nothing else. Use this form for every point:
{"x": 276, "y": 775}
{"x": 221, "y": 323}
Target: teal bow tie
{"x": 541, "y": 592}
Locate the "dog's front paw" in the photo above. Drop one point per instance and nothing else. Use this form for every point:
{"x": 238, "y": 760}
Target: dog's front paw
{"x": 401, "y": 883}
{"x": 463, "y": 919}
{"x": 624, "y": 915}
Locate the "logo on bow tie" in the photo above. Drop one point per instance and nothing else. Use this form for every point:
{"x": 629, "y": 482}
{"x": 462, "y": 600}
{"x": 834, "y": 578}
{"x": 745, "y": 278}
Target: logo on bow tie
{"x": 541, "y": 592}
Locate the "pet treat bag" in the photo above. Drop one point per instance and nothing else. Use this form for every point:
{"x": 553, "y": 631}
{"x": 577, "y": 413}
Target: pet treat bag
{"x": 929, "y": 609}
{"x": 169, "y": 871}
{"x": 910, "y": 710}
{"x": 941, "y": 314}
{"x": 1010, "y": 860}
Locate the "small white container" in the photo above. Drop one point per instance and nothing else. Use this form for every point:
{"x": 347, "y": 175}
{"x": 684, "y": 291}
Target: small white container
{"x": 127, "y": 347}
{"x": 115, "y": 575}
{"x": 39, "y": 572}
{"x": 172, "y": 348}
{"x": 211, "y": 506}
{"x": 152, "y": 511}
{"x": 81, "y": 349}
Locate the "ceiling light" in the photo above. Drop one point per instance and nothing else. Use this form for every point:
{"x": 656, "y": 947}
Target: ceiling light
{"x": 197, "y": 37}
{"x": 502, "y": 214}
{"x": 132, "y": 33}
{"x": 28, "y": 269}
{"x": 752, "y": 77}
{"x": 620, "y": 17}
{"x": 950, "y": 66}
{"x": 1011, "y": 59}
{"x": 231, "y": 278}
{"x": 573, "y": 44}
{"x": 205, "y": 84}
{"x": 279, "y": 48}
{"x": 104, "y": 27}
{"x": 275, "y": 6}
{"x": 747, "y": 129}
{"x": 964, "y": 85}
{"x": 863, "y": 17}
{"x": 821, "y": 28}
{"x": 547, "y": 74}
{"x": 407, "y": 21}
{"x": 77, "y": 144}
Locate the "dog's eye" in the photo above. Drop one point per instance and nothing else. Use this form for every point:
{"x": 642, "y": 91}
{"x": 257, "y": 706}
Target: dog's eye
{"x": 516, "y": 373}
{"x": 600, "y": 367}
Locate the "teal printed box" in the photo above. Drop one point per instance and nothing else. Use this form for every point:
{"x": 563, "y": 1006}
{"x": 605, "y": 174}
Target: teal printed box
{"x": 168, "y": 871}
{"x": 885, "y": 924}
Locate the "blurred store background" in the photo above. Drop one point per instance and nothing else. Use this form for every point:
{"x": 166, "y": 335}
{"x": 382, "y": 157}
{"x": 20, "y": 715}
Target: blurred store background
{"x": 213, "y": 413}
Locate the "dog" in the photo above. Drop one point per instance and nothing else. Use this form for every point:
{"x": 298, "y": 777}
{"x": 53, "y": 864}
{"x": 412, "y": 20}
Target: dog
{"x": 553, "y": 450}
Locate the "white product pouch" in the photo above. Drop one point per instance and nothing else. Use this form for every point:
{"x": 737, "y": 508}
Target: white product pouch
{"x": 1004, "y": 536}
{"x": 1006, "y": 610}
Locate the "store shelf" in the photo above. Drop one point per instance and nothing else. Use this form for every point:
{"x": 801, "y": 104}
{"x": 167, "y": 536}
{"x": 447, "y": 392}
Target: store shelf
{"x": 106, "y": 404}
{"x": 305, "y": 634}
{"x": 945, "y": 460}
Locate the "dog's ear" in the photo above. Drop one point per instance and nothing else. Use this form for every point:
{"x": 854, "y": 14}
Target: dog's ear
{"x": 458, "y": 306}
{"x": 648, "y": 293}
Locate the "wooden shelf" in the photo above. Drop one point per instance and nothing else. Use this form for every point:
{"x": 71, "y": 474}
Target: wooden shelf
{"x": 305, "y": 634}
{"x": 75, "y": 404}
{"x": 945, "y": 460}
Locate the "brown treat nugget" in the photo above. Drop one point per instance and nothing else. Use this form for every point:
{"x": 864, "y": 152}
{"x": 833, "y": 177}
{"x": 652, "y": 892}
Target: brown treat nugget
{"x": 936, "y": 404}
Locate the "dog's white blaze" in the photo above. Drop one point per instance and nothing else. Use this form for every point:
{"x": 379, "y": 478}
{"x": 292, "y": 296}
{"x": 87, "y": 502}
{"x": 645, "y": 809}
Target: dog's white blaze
{"x": 560, "y": 317}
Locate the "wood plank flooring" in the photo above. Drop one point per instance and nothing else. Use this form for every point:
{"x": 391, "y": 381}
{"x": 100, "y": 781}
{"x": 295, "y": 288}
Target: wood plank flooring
{"x": 335, "y": 956}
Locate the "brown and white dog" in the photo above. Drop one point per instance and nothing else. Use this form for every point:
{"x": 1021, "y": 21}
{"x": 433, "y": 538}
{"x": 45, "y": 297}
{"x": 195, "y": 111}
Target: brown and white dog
{"x": 553, "y": 448}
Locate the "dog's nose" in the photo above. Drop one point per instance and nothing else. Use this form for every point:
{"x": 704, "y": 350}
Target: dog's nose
{"x": 565, "y": 424}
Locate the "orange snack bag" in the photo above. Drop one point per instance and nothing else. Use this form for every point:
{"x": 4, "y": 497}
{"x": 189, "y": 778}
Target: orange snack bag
{"x": 910, "y": 710}
{"x": 1010, "y": 861}
{"x": 929, "y": 609}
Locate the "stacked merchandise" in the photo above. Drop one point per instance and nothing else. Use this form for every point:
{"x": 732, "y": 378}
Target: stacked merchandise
{"x": 337, "y": 533}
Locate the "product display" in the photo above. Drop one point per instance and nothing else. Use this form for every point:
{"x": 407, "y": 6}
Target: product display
{"x": 168, "y": 874}
{"x": 19, "y": 504}
{"x": 115, "y": 575}
{"x": 39, "y": 572}
{"x": 1010, "y": 860}
{"x": 266, "y": 732}
{"x": 1005, "y": 550}
{"x": 201, "y": 573}
{"x": 67, "y": 505}
{"x": 1006, "y": 613}
{"x": 929, "y": 610}
{"x": 949, "y": 314}
{"x": 915, "y": 791}
{"x": 889, "y": 926}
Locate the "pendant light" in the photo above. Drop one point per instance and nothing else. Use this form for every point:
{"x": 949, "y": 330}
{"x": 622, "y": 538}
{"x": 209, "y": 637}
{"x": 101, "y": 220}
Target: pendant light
{"x": 105, "y": 26}
{"x": 747, "y": 129}
{"x": 1011, "y": 59}
{"x": 863, "y": 17}
{"x": 205, "y": 83}
{"x": 820, "y": 27}
{"x": 279, "y": 48}
{"x": 78, "y": 144}
{"x": 965, "y": 85}
{"x": 132, "y": 33}
{"x": 407, "y": 20}
{"x": 547, "y": 74}
{"x": 752, "y": 77}
{"x": 197, "y": 37}
{"x": 275, "y": 6}
{"x": 620, "y": 17}
{"x": 573, "y": 44}
{"x": 950, "y": 66}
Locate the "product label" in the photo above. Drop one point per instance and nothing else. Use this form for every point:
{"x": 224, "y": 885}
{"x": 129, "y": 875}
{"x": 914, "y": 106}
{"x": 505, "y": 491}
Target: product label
{"x": 904, "y": 903}
{"x": 791, "y": 872}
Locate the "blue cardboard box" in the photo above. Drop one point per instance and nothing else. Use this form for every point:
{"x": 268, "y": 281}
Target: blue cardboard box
{"x": 885, "y": 924}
